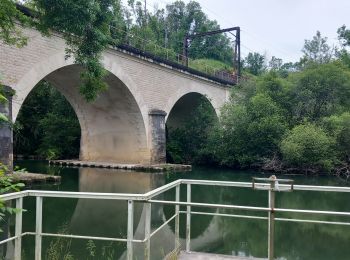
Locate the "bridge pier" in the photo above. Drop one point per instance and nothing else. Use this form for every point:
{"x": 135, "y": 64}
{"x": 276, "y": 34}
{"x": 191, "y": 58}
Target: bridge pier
{"x": 6, "y": 134}
{"x": 157, "y": 136}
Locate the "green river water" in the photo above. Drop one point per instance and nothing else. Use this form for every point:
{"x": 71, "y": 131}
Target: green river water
{"x": 233, "y": 236}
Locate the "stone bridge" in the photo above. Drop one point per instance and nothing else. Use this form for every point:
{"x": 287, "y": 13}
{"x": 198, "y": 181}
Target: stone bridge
{"x": 126, "y": 124}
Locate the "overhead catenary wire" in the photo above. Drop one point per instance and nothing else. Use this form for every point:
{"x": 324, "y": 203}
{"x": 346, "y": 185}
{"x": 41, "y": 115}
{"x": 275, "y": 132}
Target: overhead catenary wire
{"x": 228, "y": 23}
{"x": 155, "y": 44}
{"x": 169, "y": 3}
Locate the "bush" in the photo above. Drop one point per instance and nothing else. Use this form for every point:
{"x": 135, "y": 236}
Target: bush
{"x": 339, "y": 127}
{"x": 251, "y": 132}
{"x": 308, "y": 146}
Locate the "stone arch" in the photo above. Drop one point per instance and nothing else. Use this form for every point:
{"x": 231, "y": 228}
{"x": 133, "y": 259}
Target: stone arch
{"x": 216, "y": 104}
{"x": 40, "y": 70}
{"x": 182, "y": 108}
{"x": 113, "y": 127}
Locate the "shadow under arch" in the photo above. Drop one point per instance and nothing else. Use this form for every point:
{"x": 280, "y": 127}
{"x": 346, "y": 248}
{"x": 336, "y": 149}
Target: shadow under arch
{"x": 112, "y": 127}
{"x": 188, "y": 126}
{"x": 182, "y": 111}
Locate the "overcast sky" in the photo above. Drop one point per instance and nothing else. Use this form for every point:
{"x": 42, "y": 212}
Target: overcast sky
{"x": 276, "y": 27}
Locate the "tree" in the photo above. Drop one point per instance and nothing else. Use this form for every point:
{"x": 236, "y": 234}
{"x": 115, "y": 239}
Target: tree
{"x": 344, "y": 35}
{"x": 320, "y": 91}
{"x": 275, "y": 63}
{"x": 338, "y": 126}
{"x": 189, "y": 142}
{"x": 10, "y": 33}
{"x": 344, "y": 38}
{"x": 47, "y": 125}
{"x": 168, "y": 27}
{"x": 84, "y": 24}
{"x": 3, "y": 100}
{"x": 309, "y": 146}
{"x": 251, "y": 132}
{"x": 317, "y": 50}
{"x": 254, "y": 63}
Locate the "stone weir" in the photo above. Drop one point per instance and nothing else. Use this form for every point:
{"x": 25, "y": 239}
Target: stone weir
{"x": 136, "y": 167}
{"x": 34, "y": 178}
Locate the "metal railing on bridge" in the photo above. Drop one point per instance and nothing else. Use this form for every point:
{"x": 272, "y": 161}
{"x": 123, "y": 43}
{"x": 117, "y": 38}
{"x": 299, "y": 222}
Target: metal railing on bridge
{"x": 271, "y": 185}
{"x": 148, "y": 49}
{"x": 152, "y": 50}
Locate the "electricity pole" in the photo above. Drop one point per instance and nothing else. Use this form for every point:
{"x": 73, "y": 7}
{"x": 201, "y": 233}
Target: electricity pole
{"x": 237, "y": 48}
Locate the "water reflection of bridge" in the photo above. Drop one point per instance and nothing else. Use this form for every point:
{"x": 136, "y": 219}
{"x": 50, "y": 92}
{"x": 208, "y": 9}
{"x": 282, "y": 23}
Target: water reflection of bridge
{"x": 92, "y": 216}
{"x": 229, "y": 235}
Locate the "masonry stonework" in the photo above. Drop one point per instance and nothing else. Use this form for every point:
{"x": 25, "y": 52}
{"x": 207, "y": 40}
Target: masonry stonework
{"x": 116, "y": 126}
{"x": 157, "y": 136}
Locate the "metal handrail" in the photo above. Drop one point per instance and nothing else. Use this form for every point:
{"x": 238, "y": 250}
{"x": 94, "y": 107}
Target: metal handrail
{"x": 148, "y": 199}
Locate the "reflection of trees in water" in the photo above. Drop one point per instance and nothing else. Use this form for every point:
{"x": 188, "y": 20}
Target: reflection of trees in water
{"x": 249, "y": 237}
{"x": 292, "y": 240}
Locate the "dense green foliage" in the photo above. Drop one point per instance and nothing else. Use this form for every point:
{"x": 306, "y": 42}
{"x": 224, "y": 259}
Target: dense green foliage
{"x": 300, "y": 122}
{"x": 251, "y": 131}
{"x": 9, "y": 15}
{"x": 47, "y": 125}
{"x": 288, "y": 117}
{"x": 254, "y": 63}
{"x": 7, "y": 185}
{"x": 317, "y": 50}
{"x": 3, "y": 100}
{"x": 167, "y": 27}
{"x": 308, "y": 146}
{"x": 185, "y": 143}
{"x": 85, "y": 26}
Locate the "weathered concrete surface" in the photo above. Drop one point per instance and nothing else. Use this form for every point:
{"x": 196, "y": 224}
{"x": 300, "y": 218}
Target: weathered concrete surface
{"x": 157, "y": 136}
{"x": 136, "y": 167}
{"x": 34, "y": 178}
{"x": 6, "y": 136}
{"x": 117, "y": 126}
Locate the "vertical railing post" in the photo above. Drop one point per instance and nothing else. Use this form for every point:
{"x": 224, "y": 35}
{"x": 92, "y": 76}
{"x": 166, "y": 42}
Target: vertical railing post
{"x": 177, "y": 218}
{"x": 271, "y": 231}
{"x": 38, "y": 227}
{"x": 188, "y": 220}
{"x": 148, "y": 208}
{"x": 130, "y": 232}
{"x": 18, "y": 229}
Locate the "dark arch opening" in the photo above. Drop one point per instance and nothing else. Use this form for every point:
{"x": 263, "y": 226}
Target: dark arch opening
{"x": 46, "y": 126}
{"x": 188, "y": 127}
